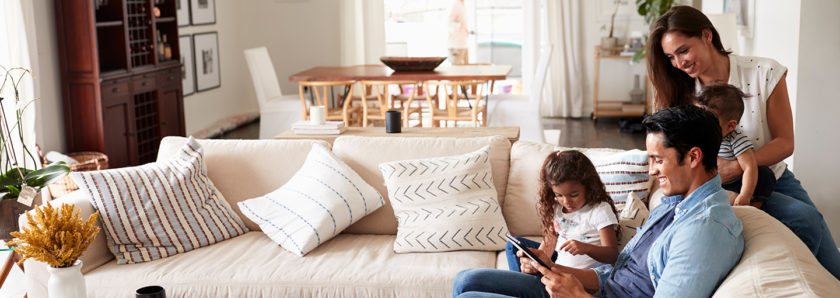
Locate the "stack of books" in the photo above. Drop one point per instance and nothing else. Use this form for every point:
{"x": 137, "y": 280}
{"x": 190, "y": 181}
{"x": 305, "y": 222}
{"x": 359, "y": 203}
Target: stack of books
{"x": 328, "y": 128}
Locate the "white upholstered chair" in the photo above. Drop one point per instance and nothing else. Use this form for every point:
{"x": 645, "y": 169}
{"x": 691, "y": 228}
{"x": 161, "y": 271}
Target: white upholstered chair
{"x": 277, "y": 111}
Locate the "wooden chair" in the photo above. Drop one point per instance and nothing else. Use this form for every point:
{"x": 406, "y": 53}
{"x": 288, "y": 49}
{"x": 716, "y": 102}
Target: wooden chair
{"x": 452, "y": 111}
{"x": 345, "y": 110}
{"x": 373, "y": 111}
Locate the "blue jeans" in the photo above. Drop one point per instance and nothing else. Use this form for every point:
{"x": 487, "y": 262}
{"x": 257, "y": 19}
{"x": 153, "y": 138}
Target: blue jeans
{"x": 501, "y": 283}
{"x": 513, "y": 260}
{"x": 791, "y": 205}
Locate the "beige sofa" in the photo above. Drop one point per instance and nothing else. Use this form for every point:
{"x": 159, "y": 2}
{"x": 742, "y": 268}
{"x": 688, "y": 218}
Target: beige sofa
{"x": 360, "y": 262}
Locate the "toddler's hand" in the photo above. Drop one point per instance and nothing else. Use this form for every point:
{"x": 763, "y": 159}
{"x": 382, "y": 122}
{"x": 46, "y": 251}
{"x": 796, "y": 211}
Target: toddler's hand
{"x": 574, "y": 247}
{"x": 742, "y": 200}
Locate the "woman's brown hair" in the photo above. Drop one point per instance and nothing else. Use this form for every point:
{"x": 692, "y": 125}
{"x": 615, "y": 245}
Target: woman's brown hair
{"x": 672, "y": 86}
{"x": 564, "y": 166}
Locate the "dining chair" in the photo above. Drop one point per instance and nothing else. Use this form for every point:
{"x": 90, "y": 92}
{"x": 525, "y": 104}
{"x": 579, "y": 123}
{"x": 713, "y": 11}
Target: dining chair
{"x": 343, "y": 109}
{"x": 373, "y": 111}
{"x": 277, "y": 111}
{"x": 449, "y": 93}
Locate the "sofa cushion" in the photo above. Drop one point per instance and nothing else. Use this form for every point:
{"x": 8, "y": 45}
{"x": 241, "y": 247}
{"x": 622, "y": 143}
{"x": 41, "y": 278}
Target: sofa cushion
{"x": 364, "y": 154}
{"x": 244, "y": 169}
{"x": 445, "y": 203}
{"x": 323, "y": 198}
{"x": 635, "y": 215}
{"x": 624, "y": 173}
{"x": 775, "y": 263}
{"x": 160, "y": 209}
{"x": 254, "y": 266}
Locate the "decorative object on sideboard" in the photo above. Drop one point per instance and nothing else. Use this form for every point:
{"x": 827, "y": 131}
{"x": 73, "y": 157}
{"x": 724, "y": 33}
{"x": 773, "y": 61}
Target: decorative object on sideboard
{"x": 610, "y": 41}
{"x": 57, "y": 237}
{"x": 412, "y": 63}
{"x": 150, "y": 292}
{"x": 22, "y": 176}
{"x": 393, "y": 122}
{"x": 637, "y": 94}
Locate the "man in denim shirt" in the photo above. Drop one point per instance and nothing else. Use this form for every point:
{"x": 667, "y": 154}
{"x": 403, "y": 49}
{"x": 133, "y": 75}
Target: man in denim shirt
{"x": 685, "y": 249}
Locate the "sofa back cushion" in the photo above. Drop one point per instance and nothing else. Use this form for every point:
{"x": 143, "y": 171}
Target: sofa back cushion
{"x": 244, "y": 169}
{"x": 364, "y": 154}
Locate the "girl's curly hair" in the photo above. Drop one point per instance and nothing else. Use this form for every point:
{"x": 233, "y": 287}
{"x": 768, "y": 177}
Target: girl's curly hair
{"x": 563, "y": 166}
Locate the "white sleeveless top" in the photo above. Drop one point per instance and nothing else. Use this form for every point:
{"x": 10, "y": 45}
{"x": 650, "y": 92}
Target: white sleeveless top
{"x": 756, "y": 77}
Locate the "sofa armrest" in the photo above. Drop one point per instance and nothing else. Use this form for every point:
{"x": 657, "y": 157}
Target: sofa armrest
{"x": 97, "y": 253}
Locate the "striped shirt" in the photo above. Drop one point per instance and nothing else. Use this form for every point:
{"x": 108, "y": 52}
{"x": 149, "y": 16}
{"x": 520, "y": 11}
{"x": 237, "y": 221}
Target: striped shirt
{"x": 733, "y": 144}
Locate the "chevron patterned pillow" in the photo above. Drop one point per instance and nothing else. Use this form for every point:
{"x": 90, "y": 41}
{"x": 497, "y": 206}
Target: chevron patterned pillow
{"x": 445, "y": 203}
{"x": 322, "y": 199}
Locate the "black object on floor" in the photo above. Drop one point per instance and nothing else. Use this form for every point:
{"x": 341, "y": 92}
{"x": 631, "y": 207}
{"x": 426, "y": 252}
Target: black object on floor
{"x": 631, "y": 125}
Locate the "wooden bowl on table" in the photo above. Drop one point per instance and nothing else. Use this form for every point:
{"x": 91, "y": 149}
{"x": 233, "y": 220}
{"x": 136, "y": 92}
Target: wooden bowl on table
{"x": 412, "y": 63}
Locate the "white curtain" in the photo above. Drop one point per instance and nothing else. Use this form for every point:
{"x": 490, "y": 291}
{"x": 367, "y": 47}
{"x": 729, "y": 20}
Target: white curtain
{"x": 362, "y": 31}
{"x": 14, "y": 52}
{"x": 556, "y": 23}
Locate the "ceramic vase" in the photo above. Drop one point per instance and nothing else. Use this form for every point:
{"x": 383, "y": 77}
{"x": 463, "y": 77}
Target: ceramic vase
{"x": 637, "y": 94}
{"x": 67, "y": 282}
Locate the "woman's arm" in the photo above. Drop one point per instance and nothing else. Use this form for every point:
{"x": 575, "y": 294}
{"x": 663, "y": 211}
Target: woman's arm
{"x": 780, "y": 122}
{"x": 605, "y": 253}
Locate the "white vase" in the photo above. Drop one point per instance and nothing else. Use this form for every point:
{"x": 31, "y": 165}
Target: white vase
{"x": 67, "y": 282}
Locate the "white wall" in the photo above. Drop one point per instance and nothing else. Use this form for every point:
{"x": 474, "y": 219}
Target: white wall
{"x": 817, "y": 106}
{"x": 298, "y": 34}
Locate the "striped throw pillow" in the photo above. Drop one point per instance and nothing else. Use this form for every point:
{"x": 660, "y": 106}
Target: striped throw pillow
{"x": 160, "y": 209}
{"x": 322, "y": 199}
{"x": 624, "y": 173}
{"x": 445, "y": 204}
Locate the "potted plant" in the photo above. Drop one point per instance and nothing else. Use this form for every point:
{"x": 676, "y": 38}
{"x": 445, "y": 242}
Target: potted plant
{"x": 650, "y": 10}
{"x": 21, "y": 178}
{"x": 610, "y": 41}
{"x": 57, "y": 237}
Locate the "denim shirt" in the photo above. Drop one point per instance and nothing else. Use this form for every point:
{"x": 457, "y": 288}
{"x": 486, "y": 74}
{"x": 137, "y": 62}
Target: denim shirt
{"x": 694, "y": 254}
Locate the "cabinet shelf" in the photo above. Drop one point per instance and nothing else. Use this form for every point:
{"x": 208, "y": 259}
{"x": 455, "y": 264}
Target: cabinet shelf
{"x": 165, "y": 19}
{"x": 108, "y": 24}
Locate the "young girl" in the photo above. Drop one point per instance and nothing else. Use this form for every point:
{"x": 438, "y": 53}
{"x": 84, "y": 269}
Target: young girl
{"x": 578, "y": 218}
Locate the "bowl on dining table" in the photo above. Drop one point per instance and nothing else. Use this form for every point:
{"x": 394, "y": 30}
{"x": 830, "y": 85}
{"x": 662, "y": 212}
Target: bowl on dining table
{"x": 412, "y": 63}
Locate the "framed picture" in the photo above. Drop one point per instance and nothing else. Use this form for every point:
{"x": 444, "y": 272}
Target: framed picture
{"x": 187, "y": 64}
{"x": 206, "y": 53}
{"x": 203, "y": 12}
{"x": 182, "y": 12}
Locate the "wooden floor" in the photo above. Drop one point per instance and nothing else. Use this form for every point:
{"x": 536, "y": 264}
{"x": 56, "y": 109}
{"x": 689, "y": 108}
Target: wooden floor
{"x": 584, "y": 132}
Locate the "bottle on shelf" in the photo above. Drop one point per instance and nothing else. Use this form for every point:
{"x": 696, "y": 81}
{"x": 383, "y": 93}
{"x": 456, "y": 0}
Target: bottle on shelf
{"x": 161, "y": 50}
{"x": 167, "y": 50}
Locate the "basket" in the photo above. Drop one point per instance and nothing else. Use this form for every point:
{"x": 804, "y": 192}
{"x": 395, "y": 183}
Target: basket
{"x": 88, "y": 161}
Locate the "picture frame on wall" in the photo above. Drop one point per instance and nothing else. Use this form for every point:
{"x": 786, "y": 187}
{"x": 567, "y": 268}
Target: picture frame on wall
{"x": 187, "y": 64}
{"x": 182, "y": 12}
{"x": 206, "y": 53}
{"x": 203, "y": 12}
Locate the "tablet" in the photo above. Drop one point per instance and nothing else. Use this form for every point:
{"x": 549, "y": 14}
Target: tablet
{"x": 527, "y": 252}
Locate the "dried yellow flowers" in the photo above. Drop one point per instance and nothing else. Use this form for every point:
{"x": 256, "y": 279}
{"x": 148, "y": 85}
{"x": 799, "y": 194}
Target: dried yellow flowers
{"x": 55, "y": 236}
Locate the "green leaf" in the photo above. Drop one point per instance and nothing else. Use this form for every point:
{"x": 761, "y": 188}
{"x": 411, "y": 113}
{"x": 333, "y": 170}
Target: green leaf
{"x": 11, "y": 177}
{"x": 46, "y": 175}
{"x": 14, "y": 191}
{"x": 638, "y": 56}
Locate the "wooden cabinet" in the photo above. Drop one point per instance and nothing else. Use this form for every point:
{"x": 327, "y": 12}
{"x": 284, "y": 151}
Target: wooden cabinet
{"x": 121, "y": 84}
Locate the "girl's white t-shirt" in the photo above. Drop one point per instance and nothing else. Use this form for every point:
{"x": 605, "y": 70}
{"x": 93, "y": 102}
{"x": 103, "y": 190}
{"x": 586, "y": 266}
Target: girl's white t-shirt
{"x": 584, "y": 226}
{"x": 757, "y": 78}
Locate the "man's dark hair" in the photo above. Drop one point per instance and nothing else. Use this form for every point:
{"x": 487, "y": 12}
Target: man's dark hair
{"x": 685, "y": 127}
{"x": 725, "y": 100}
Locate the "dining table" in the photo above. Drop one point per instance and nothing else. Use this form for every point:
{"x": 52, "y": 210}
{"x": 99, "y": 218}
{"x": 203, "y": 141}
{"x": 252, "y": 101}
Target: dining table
{"x": 380, "y": 72}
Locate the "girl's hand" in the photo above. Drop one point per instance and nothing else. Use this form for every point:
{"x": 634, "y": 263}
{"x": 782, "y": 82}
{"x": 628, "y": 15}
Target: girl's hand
{"x": 728, "y": 169}
{"x": 527, "y": 265}
{"x": 575, "y": 247}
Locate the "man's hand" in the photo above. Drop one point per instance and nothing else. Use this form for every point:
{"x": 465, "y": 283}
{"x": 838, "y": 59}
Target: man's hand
{"x": 575, "y": 247}
{"x": 529, "y": 266}
{"x": 728, "y": 169}
{"x": 559, "y": 284}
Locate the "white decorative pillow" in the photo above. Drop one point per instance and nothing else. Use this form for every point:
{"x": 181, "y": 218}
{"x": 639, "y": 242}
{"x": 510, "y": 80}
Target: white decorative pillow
{"x": 623, "y": 174}
{"x": 323, "y": 198}
{"x": 634, "y": 216}
{"x": 445, "y": 203}
{"x": 160, "y": 209}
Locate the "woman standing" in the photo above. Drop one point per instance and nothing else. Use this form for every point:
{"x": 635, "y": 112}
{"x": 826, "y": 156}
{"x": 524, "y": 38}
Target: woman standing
{"x": 685, "y": 54}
